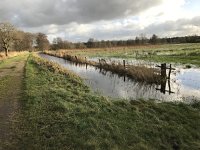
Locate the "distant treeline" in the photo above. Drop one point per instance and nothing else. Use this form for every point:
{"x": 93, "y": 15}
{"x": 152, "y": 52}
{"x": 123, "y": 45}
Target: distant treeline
{"x": 12, "y": 38}
{"x": 58, "y": 43}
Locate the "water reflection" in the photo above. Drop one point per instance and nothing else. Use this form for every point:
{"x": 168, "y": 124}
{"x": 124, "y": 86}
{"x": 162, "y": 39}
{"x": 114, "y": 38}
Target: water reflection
{"x": 163, "y": 85}
{"x": 116, "y": 86}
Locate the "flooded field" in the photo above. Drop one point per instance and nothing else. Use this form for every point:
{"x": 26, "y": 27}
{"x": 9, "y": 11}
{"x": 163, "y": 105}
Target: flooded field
{"x": 184, "y": 84}
{"x": 135, "y": 62}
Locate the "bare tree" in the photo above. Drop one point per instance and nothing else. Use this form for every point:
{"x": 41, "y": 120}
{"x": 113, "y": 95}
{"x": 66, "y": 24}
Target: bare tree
{"x": 23, "y": 41}
{"x": 6, "y": 36}
{"x": 42, "y": 42}
{"x": 154, "y": 39}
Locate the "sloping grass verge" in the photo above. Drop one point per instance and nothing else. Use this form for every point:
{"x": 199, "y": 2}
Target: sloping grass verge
{"x": 59, "y": 112}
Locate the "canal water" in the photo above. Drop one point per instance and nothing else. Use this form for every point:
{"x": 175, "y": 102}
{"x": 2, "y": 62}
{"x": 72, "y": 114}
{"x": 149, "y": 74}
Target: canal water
{"x": 184, "y": 84}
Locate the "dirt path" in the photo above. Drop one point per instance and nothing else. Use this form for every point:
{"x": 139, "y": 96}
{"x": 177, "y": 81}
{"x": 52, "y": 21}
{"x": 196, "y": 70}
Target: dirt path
{"x": 11, "y": 81}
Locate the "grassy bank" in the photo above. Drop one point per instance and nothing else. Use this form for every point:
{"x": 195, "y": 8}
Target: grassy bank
{"x": 59, "y": 112}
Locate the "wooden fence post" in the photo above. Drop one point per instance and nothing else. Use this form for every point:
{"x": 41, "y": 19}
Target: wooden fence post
{"x": 124, "y": 63}
{"x": 163, "y": 85}
{"x": 76, "y": 58}
{"x": 163, "y": 71}
{"x": 164, "y": 78}
{"x": 170, "y": 70}
{"x": 100, "y": 63}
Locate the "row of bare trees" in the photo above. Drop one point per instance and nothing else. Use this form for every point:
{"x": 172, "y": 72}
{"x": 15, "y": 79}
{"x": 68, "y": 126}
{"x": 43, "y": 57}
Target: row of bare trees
{"x": 13, "y": 39}
{"x": 142, "y": 40}
{"x": 59, "y": 43}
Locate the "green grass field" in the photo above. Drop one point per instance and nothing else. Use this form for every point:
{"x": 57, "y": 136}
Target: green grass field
{"x": 59, "y": 112}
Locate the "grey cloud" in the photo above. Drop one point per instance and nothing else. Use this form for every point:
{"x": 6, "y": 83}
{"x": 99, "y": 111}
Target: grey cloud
{"x": 166, "y": 29}
{"x": 173, "y": 26}
{"x": 36, "y": 13}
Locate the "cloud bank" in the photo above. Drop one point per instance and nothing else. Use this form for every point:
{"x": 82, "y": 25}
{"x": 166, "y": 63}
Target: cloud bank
{"x": 36, "y": 13}
{"x": 78, "y": 20}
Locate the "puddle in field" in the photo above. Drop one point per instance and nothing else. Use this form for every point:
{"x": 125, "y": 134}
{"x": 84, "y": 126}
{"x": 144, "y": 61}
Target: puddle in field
{"x": 183, "y": 86}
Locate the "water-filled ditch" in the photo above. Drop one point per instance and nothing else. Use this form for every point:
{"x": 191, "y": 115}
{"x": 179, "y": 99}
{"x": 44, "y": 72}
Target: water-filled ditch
{"x": 184, "y": 84}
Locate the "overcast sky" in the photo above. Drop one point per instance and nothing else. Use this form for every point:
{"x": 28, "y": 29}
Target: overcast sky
{"x": 79, "y": 20}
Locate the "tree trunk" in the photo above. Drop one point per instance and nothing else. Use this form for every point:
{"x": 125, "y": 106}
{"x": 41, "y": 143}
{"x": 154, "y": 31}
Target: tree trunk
{"x": 6, "y": 52}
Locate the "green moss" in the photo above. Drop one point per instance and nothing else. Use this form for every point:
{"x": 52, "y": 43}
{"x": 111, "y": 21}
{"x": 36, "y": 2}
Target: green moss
{"x": 59, "y": 112}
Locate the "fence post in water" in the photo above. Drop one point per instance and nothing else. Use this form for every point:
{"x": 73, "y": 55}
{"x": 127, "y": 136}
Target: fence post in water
{"x": 164, "y": 78}
{"x": 163, "y": 85}
{"x": 170, "y": 70}
{"x": 124, "y": 63}
{"x": 169, "y": 85}
{"x": 100, "y": 63}
{"x": 163, "y": 71}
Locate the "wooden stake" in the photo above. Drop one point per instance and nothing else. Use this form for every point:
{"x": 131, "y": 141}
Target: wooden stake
{"x": 100, "y": 62}
{"x": 163, "y": 71}
{"x": 124, "y": 62}
{"x": 170, "y": 70}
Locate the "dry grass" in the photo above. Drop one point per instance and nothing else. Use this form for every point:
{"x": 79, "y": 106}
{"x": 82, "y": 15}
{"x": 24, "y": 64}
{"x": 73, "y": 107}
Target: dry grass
{"x": 107, "y": 50}
{"x": 139, "y": 73}
{"x": 54, "y": 67}
{"x": 10, "y": 54}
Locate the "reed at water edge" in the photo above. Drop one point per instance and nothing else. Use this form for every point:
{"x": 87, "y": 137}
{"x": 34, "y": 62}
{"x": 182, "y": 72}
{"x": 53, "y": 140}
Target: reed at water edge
{"x": 138, "y": 73}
